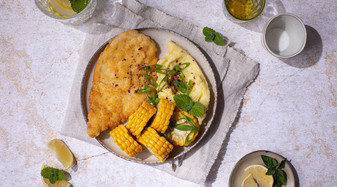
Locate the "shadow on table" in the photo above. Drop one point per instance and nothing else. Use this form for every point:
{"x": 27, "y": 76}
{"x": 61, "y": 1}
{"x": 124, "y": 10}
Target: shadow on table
{"x": 311, "y": 53}
{"x": 272, "y": 8}
{"x": 212, "y": 175}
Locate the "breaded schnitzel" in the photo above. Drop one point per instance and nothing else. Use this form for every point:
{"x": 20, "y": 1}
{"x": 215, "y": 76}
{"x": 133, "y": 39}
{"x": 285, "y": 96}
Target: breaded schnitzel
{"x": 117, "y": 77}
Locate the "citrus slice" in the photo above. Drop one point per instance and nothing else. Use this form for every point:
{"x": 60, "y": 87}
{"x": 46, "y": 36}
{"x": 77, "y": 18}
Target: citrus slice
{"x": 47, "y": 183}
{"x": 249, "y": 181}
{"x": 65, "y": 4}
{"x": 61, "y": 8}
{"x": 259, "y": 174}
{"x": 63, "y": 153}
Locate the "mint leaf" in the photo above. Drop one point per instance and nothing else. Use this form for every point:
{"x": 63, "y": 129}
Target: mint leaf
{"x": 281, "y": 177}
{"x": 218, "y": 40}
{"x": 209, "y": 34}
{"x": 270, "y": 162}
{"x": 197, "y": 109}
{"x": 61, "y": 175}
{"x": 46, "y": 172}
{"x": 184, "y": 102}
{"x": 79, "y": 5}
{"x": 282, "y": 164}
{"x": 270, "y": 171}
{"x": 209, "y": 38}
{"x": 52, "y": 174}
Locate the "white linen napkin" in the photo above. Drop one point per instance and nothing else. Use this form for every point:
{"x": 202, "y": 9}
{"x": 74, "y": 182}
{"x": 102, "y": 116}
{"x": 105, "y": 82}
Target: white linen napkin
{"x": 235, "y": 72}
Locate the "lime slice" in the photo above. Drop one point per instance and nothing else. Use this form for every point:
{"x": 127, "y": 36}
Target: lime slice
{"x": 259, "y": 174}
{"x": 249, "y": 181}
{"x": 63, "y": 153}
{"x": 47, "y": 183}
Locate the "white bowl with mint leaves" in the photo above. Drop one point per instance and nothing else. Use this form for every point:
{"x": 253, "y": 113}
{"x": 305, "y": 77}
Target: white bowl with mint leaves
{"x": 263, "y": 168}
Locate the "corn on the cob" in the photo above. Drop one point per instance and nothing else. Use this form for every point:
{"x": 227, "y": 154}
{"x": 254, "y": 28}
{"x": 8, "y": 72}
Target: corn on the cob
{"x": 155, "y": 143}
{"x": 125, "y": 141}
{"x": 162, "y": 118}
{"x": 137, "y": 121}
{"x": 183, "y": 129}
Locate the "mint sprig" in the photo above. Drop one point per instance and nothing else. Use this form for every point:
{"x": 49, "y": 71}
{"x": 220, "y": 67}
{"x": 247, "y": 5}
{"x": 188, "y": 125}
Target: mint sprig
{"x": 78, "y": 5}
{"x": 184, "y": 102}
{"x": 275, "y": 169}
{"x": 52, "y": 174}
{"x": 186, "y": 124}
{"x": 212, "y": 35}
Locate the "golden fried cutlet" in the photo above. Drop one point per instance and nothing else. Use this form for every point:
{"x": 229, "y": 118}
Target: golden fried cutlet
{"x": 117, "y": 77}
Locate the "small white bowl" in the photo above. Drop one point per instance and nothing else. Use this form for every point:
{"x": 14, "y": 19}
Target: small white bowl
{"x": 284, "y": 35}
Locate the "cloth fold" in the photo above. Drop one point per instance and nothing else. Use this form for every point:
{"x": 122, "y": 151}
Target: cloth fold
{"x": 235, "y": 71}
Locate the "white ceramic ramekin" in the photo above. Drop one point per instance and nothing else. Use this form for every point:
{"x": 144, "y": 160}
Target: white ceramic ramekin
{"x": 284, "y": 35}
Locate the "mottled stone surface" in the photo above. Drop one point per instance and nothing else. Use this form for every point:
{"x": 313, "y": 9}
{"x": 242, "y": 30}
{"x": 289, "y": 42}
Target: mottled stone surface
{"x": 290, "y": 109}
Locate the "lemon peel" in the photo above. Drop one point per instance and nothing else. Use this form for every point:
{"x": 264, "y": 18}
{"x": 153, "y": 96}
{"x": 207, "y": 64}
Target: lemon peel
{"x": 249, "y": 181}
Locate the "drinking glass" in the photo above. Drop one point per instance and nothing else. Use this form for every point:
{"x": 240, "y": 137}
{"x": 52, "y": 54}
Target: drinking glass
{"x": 77, "y": 19}
{"x": 243, "y": 10}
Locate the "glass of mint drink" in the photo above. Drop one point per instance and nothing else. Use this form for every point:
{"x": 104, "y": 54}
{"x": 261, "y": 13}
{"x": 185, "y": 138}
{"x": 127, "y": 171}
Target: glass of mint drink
{"x": 71, "y": 12}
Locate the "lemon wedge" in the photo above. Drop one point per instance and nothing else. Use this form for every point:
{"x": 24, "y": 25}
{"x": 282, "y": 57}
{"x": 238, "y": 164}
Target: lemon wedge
{"x": 249, "y": 181}
{"x": 63, "y": 153}
{"x": 47, "y": 183}
{"x": 259, "y": 174}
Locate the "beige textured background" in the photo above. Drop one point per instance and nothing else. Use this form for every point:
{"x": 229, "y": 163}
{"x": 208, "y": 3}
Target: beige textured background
{"x": 291, "y": 108}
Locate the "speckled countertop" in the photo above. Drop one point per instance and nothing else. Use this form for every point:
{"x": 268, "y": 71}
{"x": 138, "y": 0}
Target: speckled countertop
{"x": 290, "y": 109}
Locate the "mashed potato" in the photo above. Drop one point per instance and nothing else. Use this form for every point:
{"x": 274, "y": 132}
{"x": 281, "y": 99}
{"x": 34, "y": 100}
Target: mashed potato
{"x": 200, "y": 91}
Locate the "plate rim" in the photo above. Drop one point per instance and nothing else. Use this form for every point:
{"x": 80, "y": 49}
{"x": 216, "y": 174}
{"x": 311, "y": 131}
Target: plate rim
{"x": 92, "y": 63}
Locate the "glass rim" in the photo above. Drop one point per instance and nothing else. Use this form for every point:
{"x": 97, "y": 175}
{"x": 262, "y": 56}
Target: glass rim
{"x": 64, "y": 18}
{"x": 264, "y": 3}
